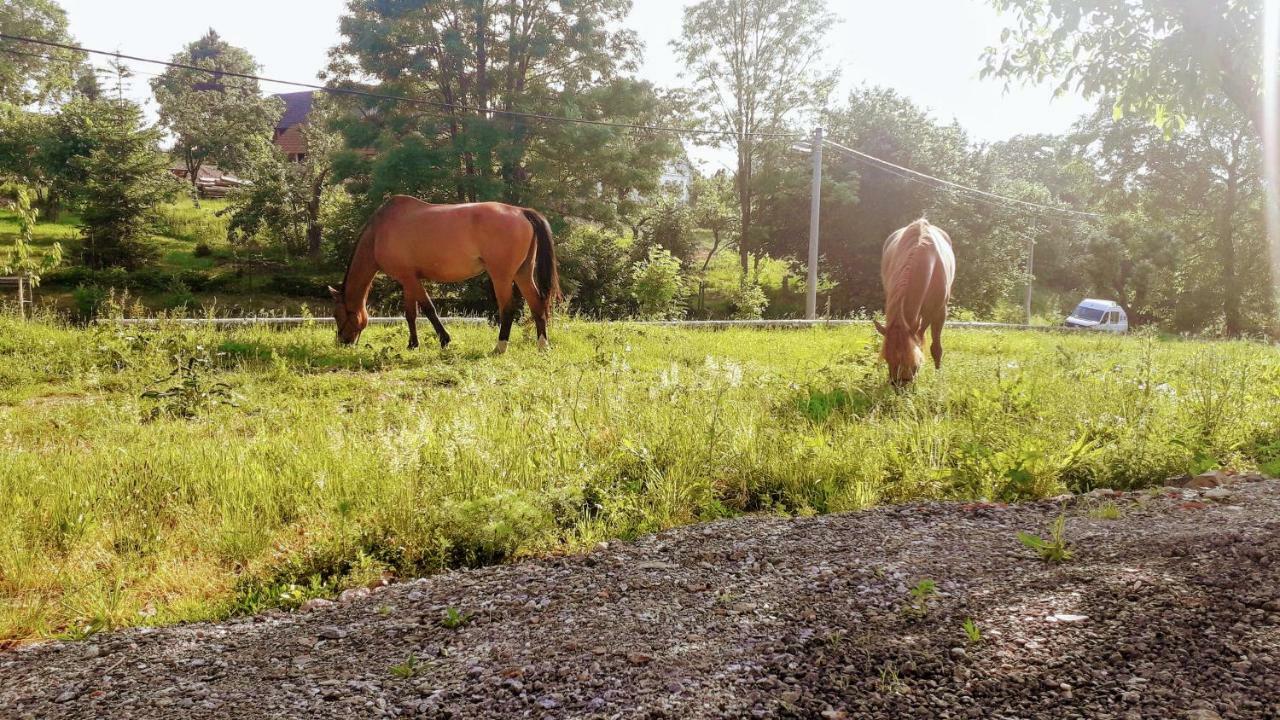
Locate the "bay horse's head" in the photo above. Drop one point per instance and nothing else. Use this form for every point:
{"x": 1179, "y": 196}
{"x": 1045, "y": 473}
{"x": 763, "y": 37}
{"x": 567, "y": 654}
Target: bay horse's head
{"x": 351, "y": 321}
{"x": 902, "y": 351}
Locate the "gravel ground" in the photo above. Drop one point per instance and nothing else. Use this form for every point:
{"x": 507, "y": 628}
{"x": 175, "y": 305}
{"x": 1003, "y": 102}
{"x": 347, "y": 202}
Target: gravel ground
{"x": 1170, "y": 611}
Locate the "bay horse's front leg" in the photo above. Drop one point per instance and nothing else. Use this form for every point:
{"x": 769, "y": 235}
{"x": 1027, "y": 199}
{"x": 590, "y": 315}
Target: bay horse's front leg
{"x": 441, "y": 334}
{"x": 411, "y": 317}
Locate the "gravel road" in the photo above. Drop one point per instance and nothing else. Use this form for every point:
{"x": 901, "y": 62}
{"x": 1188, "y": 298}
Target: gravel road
{"x": 1170, "y": 611}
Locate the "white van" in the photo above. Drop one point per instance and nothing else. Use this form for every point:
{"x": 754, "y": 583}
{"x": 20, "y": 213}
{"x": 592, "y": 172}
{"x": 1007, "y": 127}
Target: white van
{"x": 1102, "y": 315}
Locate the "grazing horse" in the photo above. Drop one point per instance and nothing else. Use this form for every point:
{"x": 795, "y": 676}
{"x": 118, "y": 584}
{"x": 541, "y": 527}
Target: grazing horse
{"x": 410, "y": 241}
{"x": 917, "y": 269}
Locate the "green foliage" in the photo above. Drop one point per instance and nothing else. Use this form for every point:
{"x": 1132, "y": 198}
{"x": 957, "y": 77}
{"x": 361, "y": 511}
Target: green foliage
{"x": 658, "y": 286}
{"x": 44, "y": 76}
{"x": 407, "y": 669}
{"x": 22, "y": 259}
{"x": 453, "y": 619}
{"x": 748, "y": 302}
{"x": 125, "y": 178}
{"x": 1146, "y": 57}
{"x": 921, "y": 593}
{"x": 595, "y": 272}
{"x": 742, "y": 83}
{"x": 286, "y": 201}
{"x": 191, "y": 395}
{"x": 971, "y": 631}
{"x": 1053, "y": 550}
{"x": 1106, "y": 511}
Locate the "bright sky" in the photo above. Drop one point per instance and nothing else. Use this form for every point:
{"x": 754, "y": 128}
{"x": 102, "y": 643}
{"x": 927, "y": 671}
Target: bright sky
{"x": 927, "y": 49}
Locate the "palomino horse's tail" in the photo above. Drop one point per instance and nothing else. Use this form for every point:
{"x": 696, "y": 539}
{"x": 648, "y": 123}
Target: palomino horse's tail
{"x": 546, "y": 274}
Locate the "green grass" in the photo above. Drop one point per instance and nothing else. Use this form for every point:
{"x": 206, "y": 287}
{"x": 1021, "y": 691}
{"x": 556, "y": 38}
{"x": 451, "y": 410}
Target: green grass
{"x": 136, "y": 496}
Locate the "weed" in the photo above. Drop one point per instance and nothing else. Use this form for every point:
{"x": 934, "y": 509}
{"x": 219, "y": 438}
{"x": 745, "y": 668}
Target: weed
{"x": 406, "y": 669}
{"x": 1106, "y": 511}
{"x": 921, "y": 593}
{"x": 453, "y": 619}
{"x": 1054, "y": 549}
{"x": 971, "y": 631}
{"x": 191, "y": 395}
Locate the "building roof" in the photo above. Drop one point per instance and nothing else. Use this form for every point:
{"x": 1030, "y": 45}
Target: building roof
{"x": 297, "y": 105}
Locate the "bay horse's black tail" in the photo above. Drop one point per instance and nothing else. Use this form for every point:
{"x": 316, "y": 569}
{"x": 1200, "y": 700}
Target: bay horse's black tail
{"x": 546, "y": 273}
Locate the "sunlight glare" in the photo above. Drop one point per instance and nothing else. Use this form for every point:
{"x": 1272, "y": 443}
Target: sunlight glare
{"x": 1271, "y": 128}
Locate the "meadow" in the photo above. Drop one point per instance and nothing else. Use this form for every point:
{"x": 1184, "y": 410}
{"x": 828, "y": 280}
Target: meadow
{"x": 156, "y": 475}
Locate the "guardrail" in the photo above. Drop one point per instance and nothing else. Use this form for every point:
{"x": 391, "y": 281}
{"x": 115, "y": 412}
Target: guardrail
{"x": 284, "y": 322}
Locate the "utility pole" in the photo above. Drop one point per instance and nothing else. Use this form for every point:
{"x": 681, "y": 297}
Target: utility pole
{"x": 1031, "y": 264}
{"x": 815, "y": 204}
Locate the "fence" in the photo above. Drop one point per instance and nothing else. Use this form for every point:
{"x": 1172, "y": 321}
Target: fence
{"x": 23, "y": 289}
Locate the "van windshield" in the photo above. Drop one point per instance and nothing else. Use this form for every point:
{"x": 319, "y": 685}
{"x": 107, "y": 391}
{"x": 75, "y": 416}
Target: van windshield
{"x": 1085, "y": 312}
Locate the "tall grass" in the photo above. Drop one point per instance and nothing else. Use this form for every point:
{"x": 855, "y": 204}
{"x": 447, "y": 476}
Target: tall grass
{"x": 137, "y": 495}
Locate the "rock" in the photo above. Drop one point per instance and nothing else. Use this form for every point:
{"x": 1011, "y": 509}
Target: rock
{"x": 637, "y": 658}
{"x": 1210, "y": 479}
{"x": 957, "y": 652}
{"x": 1201, "y": 714}
{"x": 331, "y": 632}
{"x": 68, "y": 695}
{"x": 315, "y": 604}
{"x": 1218, "y": 493}
{"x": 353, "y": 594}
{"x": 1066, "y": 618}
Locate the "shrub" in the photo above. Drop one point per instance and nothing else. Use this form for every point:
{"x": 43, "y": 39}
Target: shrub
{"x": 202, "y": 250}
{"x": 88, "y": 301}
{"x": 658, "y": 286}
{"x": 748, "y": 302}
{"x": 595, "y": 272}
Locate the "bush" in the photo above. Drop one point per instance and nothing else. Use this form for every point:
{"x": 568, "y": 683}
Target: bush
{"x": 202, "y": 250}
{"x": 595, "y": 272}
{"x": 748, "y": 302}
{"x": 88, "y": 301}
{"x": 658, "y": 286}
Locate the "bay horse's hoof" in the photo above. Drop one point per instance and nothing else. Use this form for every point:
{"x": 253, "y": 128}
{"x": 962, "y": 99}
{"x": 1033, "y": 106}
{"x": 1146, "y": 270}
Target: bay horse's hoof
{"x": 444, "y": 342}
{"x": 500, "y": 348}
{"x": 543, "y": 345}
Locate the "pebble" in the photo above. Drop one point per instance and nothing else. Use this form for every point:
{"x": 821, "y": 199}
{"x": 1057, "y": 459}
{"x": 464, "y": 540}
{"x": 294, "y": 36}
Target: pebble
{"x": 331, "y": 632}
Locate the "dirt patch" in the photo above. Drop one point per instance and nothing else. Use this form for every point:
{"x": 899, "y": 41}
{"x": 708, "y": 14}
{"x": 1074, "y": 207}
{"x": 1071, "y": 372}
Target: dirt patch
{"x": 1170, "y": 610}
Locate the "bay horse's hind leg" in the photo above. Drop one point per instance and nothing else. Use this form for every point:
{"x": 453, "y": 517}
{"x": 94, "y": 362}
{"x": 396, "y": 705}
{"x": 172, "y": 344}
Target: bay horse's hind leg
{"x": 441, "y": 334}
{"x": 537, "y": 306}
{"x": 502, "y": 288}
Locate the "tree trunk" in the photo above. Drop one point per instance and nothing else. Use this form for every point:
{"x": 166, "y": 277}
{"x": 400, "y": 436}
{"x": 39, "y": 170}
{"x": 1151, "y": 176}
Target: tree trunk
{"x": 1227, "y": 255}
{"x": 315, "y": 230}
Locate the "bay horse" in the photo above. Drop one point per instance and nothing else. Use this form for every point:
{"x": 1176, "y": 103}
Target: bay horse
{"x": 917, "y": 269}
{"x": 410, "y": 241}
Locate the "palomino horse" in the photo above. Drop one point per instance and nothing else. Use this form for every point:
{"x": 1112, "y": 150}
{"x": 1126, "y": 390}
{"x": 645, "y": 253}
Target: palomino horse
{"x": 917, "y": 269}
{"x": 411, "y": 241}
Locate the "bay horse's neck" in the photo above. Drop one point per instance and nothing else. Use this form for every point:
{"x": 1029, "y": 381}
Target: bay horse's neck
{"x": 360, "y": 272}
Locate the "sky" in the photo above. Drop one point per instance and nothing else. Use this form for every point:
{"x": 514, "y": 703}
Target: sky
{"x": 291, "y": 38}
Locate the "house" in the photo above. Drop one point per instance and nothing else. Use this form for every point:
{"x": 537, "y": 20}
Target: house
{"x": 288, "y": 134}
{"x": 211, "y": 181}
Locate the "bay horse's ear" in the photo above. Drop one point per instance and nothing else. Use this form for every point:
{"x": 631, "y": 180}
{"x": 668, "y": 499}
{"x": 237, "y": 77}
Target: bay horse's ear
{"x": 879, "y": 328}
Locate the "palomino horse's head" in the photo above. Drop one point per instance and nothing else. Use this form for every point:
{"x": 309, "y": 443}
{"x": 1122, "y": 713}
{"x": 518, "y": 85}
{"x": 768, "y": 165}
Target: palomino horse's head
{"x": 901, "y": 350}
{"x": 351, "y": 321}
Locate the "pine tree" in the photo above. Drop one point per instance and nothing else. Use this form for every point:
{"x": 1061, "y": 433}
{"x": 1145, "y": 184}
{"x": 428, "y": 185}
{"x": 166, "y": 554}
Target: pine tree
{"x": 125, "y": 178}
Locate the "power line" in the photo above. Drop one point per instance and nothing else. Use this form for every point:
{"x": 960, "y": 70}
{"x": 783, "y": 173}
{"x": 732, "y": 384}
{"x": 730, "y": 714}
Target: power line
{"x": 401, "y": 98}
{"x": 958, "y": 186}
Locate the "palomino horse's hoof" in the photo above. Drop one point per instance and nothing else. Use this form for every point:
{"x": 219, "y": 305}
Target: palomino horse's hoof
{"x": 543, "y": 345}
{"x": 500, "y": 348}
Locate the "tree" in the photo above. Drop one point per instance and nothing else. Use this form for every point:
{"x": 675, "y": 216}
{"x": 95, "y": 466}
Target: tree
{"x": 40, "y": 73}
{"x": 214, "y": 117}
{"x": 1199, "y": 199}
{"x": 1167, "y": 59}
{"x": 469, "y": 58}
{"x": 125, "y": 177}
{"x": 753, "y": 64}
{"x": 714, "y": 211}
{"x": 286, "y": 198}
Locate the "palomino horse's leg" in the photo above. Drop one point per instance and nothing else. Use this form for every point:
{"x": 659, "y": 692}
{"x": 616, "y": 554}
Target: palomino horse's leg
{"x": 935, "y": 346}
{"x": 506, "y": 312}
{"x": 536, "y": 305}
